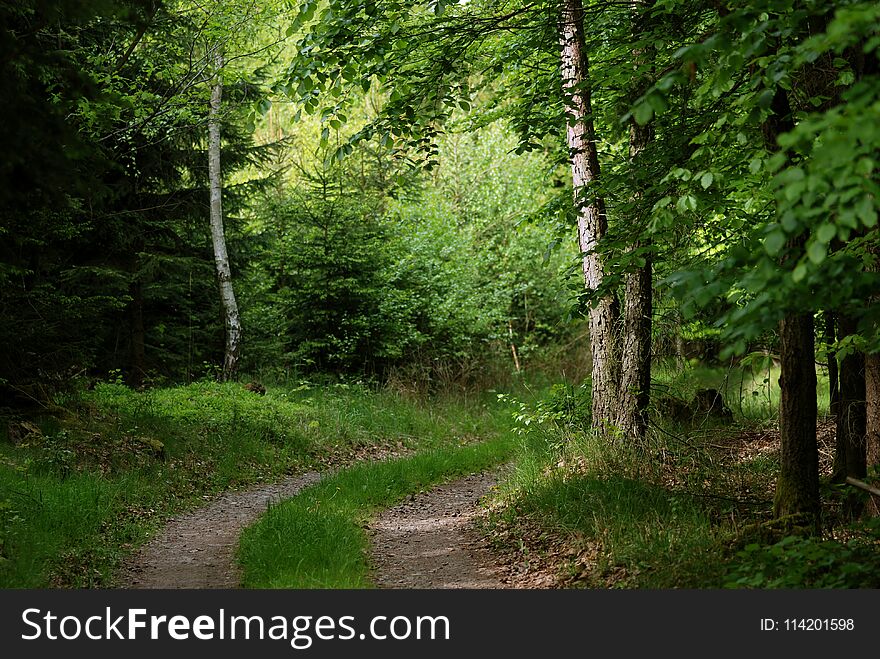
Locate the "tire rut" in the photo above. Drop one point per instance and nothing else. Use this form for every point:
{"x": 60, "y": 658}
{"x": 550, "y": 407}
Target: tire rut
{"x": 197, "y": 549}
{"x": 427, "y": 541}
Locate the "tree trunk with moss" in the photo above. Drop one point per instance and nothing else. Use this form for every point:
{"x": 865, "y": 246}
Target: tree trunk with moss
{"x": 797, "y": 488}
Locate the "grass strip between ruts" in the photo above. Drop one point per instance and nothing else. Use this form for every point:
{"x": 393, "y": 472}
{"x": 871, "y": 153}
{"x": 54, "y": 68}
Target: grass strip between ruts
{"x": 318, "y": 539}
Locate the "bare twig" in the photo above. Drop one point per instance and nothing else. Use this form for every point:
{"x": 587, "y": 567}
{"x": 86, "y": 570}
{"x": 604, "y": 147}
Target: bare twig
{"x": 862, "y": 485}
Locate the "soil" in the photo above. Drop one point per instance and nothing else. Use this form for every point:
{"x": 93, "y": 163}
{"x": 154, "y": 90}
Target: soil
{"x": 429, "y": 541}
{"x": 197, "y": 550}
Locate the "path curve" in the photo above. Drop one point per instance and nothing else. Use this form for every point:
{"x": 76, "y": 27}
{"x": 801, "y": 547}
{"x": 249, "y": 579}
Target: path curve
{"x": 197, "y": 549}
{"x": 428, "y": 541}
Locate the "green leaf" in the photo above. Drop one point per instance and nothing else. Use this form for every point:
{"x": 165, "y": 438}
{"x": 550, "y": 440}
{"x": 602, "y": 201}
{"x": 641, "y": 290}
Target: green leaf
{"x": 643, "y": 113}
{"x": 817, "y": 252}
{"x": 789, "y": 176}
{"x": 706, "y": 180}
{"x": 658, "y": 103}
{"x": 790, "y": 222}
{"x": 774, "y": 242}
{"x": 866, "y": 212}
{"x": 765, "y": 98}
{"x": 686, "y": 203}
{"x": 799, "y": 273}
{"x": 826, "y": 233}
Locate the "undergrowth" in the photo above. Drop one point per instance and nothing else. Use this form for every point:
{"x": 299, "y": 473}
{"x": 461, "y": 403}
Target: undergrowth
{"x": 689, "y": 508}
{"x": 80, "y": 490}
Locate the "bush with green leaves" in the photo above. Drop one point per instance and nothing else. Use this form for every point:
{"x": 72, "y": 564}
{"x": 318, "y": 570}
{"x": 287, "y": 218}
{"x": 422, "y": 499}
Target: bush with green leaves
{"x": 810, "y": 562}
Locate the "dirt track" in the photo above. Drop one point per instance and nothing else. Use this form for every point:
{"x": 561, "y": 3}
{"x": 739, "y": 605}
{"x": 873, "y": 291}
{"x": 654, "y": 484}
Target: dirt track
{"x": 197, "y": 550}
{"x": 427, "y": 541}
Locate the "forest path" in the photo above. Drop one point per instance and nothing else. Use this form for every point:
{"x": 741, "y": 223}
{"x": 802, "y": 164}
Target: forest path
{"x": 197, "y": 549}
{"x": 428, "y": 541}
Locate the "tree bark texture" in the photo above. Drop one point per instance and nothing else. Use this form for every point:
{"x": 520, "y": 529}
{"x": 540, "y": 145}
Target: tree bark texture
{"x": 635, "y": 374}
{"x": 635, "y": 366}
{"x": 851, "y": 416}
{"x": 797, "y": 489}
{"x": 635, "y": 354}
{"x": 872, "y": 434}
{"x": 838, "y": 470}
{"x": 591, "y": 217}
{"x": 796, "y": 503}
{"x": 231, "y": 316}
{"x": 833, "y": 386}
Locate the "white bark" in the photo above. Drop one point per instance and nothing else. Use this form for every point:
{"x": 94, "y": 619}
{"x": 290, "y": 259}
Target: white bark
{"x": 218, "y": 238}
{"x": 591, "y": 218}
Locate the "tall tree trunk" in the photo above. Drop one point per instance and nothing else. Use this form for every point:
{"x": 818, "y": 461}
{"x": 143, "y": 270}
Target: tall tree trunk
{"x": 797, "y": 489}
{"x": 591, "y": 218}
{"x": 231, "y": 317}
{"x": 851, "y": 406}
{"x": 872, "y": 410}
{"x": 872, "y": 435}
{"x": 635, "y": 366}
{"x": 838, "y": 470}
{"x": 635, "y": 374}
{"x": 851, "y": 416}
{"x": 680, "y": 356}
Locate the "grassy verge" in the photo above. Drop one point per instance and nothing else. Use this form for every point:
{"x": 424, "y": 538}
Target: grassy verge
{"x": 79, "y": 491}
{"x": 663, "y": 515}
{"x": 691, "y": 508}
{"x": 317, "y": 540}
{"x": 604, "y": 524}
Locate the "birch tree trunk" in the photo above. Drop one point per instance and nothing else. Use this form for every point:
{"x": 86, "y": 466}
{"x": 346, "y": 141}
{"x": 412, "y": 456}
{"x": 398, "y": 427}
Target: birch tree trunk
{"x": 591, "y": 218}
{"x": 231, "y": 317}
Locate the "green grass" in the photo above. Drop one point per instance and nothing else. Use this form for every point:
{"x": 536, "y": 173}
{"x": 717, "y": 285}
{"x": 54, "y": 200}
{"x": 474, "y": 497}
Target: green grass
{"x": 673, "y": 513}
{"x": 317, "y": 539}
{"x": 85, "y": 489}
{"x": 661, "y": 538}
